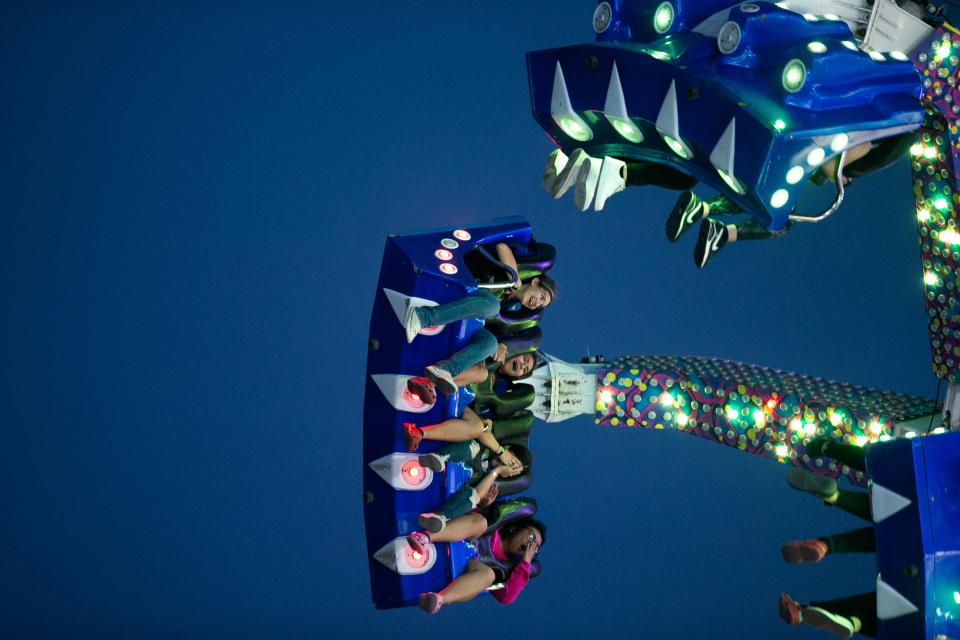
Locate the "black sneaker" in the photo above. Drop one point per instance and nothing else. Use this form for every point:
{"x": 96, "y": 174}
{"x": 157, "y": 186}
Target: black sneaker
{"x": 689, "y": 209}
{"x": 713, "y": 235}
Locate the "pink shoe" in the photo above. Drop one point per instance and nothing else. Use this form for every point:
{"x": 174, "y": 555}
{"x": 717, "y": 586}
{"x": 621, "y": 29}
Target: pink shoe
{"x": 423, "y": 389}
{"x": 418, "y": 541}
{"x": 801, "y": 551}
{"x": 790, "y": 611}
{"x": 431, "y": 602}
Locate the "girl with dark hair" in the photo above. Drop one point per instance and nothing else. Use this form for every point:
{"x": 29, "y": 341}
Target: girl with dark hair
{"x": 503, "y": 556}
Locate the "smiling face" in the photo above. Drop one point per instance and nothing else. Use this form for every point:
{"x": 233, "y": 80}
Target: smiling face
{"x": 532, "y": 296}
{"x": 516, "y": 544}
{"x": 518, "y": 366}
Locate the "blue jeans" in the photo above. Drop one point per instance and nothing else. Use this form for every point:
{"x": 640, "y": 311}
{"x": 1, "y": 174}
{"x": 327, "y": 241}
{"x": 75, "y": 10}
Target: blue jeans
{"x": 482, "y": 346}
{"x": 463, "y": 499}
{"x": 482, "y": 305}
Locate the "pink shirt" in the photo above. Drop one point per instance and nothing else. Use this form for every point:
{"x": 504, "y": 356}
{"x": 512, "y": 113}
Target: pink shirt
{"x": 517, "y": 579}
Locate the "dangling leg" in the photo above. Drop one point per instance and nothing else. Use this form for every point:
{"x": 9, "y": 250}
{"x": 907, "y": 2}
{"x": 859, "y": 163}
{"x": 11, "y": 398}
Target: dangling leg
{"x": 848, "y": 454}
{"x": 467, "y": 586}
{"x": 689, "y": 208}
{"x": 841, "y": 618}
{"x": 715, "y": 235}
{"x": 462, "y": 429}
{"x": 857, "y": 541}
{"x": 482, "y": 345}
{"x": 481, "y": 305}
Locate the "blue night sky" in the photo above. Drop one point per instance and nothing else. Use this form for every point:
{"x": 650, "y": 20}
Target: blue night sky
{"x": 195, "y": 197}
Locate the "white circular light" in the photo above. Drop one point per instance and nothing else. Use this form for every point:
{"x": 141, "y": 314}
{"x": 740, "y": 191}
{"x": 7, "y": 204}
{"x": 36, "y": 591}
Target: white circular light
{"x": 794, "y": 75}
{"x": 461, "y": 234}
{"x": 601, "y": 17}
{"x": 448, "y": 268}
{"x": 850, "y": 44}
{"x": 729, "y": 37}
{"x": 839, "y": 142}
{"x": 876, "y": 55}
{"x": 898, "y": 55}
{"x": 677, "y": 146}
{"x": 815, "y": 157}
{"x": 779, "y": 198}
{"x": 795, "y": 174}
{"x": 443, "y": 254}
{"x": 816, "y": 47}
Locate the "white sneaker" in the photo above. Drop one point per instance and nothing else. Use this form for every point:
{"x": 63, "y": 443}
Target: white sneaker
{"x": 441, "y": 378}
{"x": 411, "y": 323}
{"x": 432, "y": 522}
{"x": 587, "y": 184}
{"x": 836, "y": 625}
{"x": 556, "y": 161}
{"x": 568, "y": 176}
{"x": 611, "y": 181}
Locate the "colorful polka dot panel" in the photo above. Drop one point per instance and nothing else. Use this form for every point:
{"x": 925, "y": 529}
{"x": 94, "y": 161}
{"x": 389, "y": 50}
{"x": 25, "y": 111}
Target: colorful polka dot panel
{"x": 762, "y": 411}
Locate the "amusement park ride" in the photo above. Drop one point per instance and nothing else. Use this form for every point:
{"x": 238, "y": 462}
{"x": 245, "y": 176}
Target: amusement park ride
{"x": 751, "y": 100}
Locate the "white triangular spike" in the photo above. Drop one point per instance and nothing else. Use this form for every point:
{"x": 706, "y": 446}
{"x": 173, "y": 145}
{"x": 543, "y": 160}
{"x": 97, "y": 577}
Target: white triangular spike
{"x": 391, "y": 386}
{"x": 615, "y": 104}
{"x": 384, "y": 468}
{"x": 560, "y": 101}
{"x": 387, "y": 555}
{"x": 668, "y": 120}
{"x": 890, "y": 603}
{"x": 884, "y": 502}
{"x": 398, "y": 302}
{"x": 723, "y": 154}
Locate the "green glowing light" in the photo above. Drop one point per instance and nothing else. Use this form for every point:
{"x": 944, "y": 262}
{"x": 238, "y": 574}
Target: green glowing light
{"x": 930, "y": 278}
{"x": 916, "y": 149}
{"x": 949, "y": 236}
{"x": 732, "y": 413}
{"x": 956, "y": 597}
{"x": 941, "y": 204}
{"x": 794, "y": 75}
{"x": 860, "y": 440}
{"x": 779, "y": 198}
{"x": 659, "y": 55}
{"x": 682, "y": 418}
{"x": 944, "y": 50}
{"x": 663, "y": 17}
{"x": 779, "y": 125}
{"x": 923, "y": 215}
{"x": 626, "y": 128}
{"x": 816, "y": 47}
{"x": 677, "y": 146}
{"x": 732, "y": 182}
{"x": 574, "y": 129}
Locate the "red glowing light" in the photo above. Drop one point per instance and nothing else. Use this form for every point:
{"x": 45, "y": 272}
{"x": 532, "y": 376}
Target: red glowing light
{"x": 412, "y": 473}
{"x": 412, "y": 400}
{"x": 416, "y": 559}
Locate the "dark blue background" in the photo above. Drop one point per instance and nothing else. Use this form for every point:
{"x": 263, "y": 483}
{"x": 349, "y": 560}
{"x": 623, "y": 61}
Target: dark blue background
{"x": 194, "y": 199}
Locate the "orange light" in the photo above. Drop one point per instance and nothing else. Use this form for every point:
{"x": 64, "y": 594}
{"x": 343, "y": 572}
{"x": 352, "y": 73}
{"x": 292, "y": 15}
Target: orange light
{"x": 443, "y": 254}
{"x": 771, "y": 403}
{"x": 417, "y": 555}
{"x": 412, "y": 400}
{"x": 461, "y": 234}
{"x": 412, "y": 473}
{"x": 448, "y": 268}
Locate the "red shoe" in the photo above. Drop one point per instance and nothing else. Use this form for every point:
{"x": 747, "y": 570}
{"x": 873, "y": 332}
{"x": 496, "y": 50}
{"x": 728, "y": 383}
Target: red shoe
{"x": 801, "y": 551}
{"x": 412, "y": 435}
{"x": 423, "y": 389}
{"x": 790, "y": 611}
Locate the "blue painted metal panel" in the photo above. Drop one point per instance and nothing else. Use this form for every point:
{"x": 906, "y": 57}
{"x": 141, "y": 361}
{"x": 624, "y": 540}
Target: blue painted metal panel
{"x": 845, "y": 92}
{"x": 918, "y": 548}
